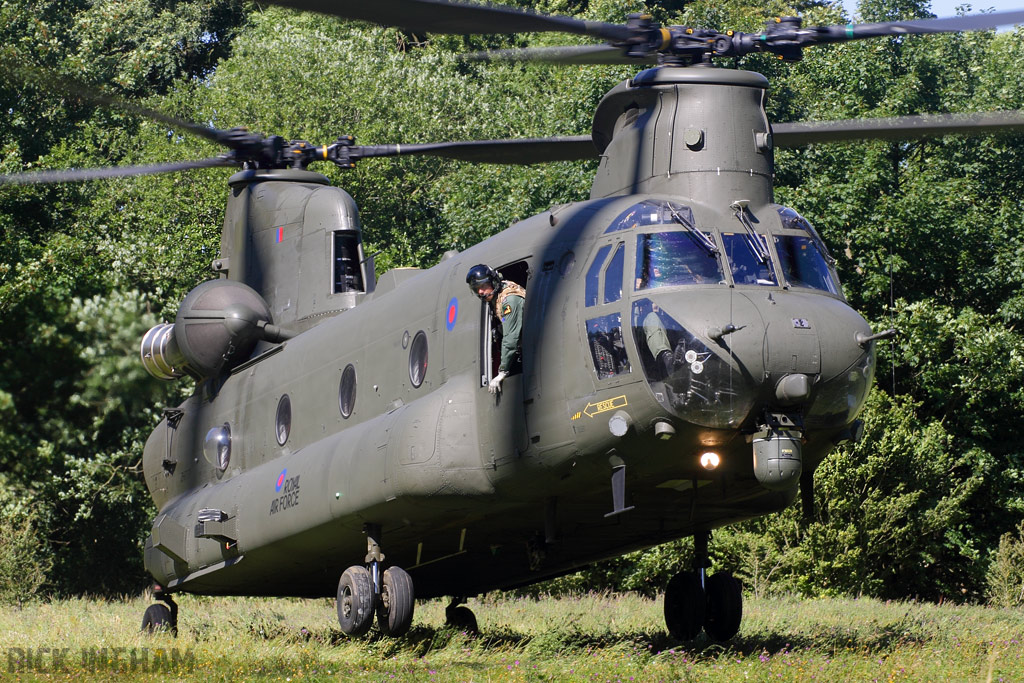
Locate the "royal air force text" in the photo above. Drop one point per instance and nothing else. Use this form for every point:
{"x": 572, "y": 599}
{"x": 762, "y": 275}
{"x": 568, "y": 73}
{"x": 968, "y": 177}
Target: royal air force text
{"x": 289, "y": 497}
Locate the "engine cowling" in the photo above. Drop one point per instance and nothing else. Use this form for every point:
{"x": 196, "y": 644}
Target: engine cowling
{"x": 218, "y": 325}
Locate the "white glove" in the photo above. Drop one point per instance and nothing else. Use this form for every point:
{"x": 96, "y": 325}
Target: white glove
{"x": 495, "y": 386}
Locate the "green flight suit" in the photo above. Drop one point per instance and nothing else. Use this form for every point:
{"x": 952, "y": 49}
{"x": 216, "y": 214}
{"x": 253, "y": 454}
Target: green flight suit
{"x": 511, "y": 316}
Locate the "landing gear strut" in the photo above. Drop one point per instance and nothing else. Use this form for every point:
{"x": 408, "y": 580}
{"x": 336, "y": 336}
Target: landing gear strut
{"x": 365, "y": 591}
{"x": 161, "y": 617}
{"x": 694, "y": 600}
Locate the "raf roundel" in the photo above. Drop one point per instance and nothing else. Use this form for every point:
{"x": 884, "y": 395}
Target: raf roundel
{"x": 280, "y": 480}
{"x": 453, "y": 314}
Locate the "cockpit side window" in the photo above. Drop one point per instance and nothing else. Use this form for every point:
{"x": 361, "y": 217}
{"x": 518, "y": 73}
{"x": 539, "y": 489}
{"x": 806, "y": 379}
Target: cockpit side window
{"x": 747, "y": 267}
{"x": 613, "y": 276}
{"x": 607, "y": 348}
{"x": 593, "y": 273}
{"x": 604, "y": 328}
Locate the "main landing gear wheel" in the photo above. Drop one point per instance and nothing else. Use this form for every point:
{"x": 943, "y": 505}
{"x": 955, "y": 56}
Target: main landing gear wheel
{"x": 355, "y": 601}
{"x": 684, "y": 606}
{"x": 724, "y": 606}
{"x": 159, "y": 618}
{"x": 395, "y": 607}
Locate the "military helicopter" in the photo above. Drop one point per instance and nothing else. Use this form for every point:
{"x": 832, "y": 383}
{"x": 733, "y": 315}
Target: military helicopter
{"x": 688, "y": 356}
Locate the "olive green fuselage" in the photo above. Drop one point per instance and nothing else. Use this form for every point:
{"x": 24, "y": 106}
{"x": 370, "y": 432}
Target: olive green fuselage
{"x": 475, "y": 491}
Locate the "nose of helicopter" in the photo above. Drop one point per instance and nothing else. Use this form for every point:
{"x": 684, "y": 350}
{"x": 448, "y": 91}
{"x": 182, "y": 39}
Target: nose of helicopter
{"x": 732, "y": 355}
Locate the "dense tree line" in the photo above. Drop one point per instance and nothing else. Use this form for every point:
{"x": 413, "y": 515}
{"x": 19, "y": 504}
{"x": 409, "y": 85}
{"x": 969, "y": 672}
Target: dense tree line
{"x": 927, "y": 234}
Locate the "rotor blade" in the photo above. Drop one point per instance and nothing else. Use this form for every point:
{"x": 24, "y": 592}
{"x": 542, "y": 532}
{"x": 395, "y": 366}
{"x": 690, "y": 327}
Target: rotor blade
{"x": 523, "y": 151}
{"x": 896, "y": 128}
{"x": 780, "y": 36}
{"x": 568, "y": 54}
{"x": 440, "y": 16}
{"x": 976, "y": 22}
{"x": 77, "y": 175}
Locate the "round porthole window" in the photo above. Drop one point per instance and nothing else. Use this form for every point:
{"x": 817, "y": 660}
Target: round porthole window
{"x": 347, "y": 391}
{"x": 418, "y": 359}
{"x": 284, "y": 419}
{"x": 217, "y": 446}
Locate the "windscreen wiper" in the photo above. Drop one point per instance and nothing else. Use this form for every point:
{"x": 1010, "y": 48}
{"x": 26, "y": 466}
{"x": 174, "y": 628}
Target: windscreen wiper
{"x": 754, "y": 241}
{"x": 698, "y": 236}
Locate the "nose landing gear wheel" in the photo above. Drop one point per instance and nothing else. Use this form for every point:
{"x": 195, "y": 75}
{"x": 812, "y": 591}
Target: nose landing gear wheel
{"x": 394, "y": 611}
{"x": 724, "y": 606}
{"x": 355, "y": 601}
{"x": 684, "y": 606}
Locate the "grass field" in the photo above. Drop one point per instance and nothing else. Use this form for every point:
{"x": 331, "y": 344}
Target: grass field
{"x": 587, "y": 638}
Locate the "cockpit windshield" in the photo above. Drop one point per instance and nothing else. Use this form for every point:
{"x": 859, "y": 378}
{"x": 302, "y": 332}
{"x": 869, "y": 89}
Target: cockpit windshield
{"x": 747, "y": 266}
{"x": 802, "y": 264}
{"x": 805, "y": 261}
{"x": 667, "y": 259}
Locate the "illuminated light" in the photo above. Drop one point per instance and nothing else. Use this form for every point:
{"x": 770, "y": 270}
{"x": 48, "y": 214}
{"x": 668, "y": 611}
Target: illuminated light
{"x": 710, "y": 460}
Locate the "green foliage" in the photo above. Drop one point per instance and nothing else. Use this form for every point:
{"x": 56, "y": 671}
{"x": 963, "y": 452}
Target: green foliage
{"x": 24, "y": 561}
{"x": 927, "y": 234}
{"x": 1006, "y": 572}
{"x": 894, "y": 517}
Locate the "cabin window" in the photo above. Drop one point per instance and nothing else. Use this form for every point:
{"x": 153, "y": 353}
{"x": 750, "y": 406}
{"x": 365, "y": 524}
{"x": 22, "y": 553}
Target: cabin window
{"x": 217, "y": 446}
{"x": 668, "y": 259}
{"x": 418, "y": 359}
{"x": 613, "y": 276}
{"x": 284, "y": 419}
{"x": 593, "y": 275}
{"x": 347, "y": 391}
{"x": 802, "y": 264}
{"x": 747, "y": 266}
{"x": 607, "y": 348}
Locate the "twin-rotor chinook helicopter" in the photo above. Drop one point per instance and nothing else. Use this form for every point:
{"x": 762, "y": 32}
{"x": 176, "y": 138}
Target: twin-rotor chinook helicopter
{"x": 688, "y": 355}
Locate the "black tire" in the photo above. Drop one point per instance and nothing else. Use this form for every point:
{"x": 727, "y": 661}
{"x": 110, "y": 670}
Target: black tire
{"x": 461, "y": 618}
{"x": 684, "y": 606}
{"x": 355, "y": 602}
{"x": 724, "y": 607}
{"x": 158, "y": 618}
{"x": 397, "y": 600}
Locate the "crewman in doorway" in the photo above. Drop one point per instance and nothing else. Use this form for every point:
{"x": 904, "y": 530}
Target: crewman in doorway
{"x": 507, "y": 301}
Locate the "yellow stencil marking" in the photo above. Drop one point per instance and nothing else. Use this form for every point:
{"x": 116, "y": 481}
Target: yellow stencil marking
{"x": 593, "y": 409}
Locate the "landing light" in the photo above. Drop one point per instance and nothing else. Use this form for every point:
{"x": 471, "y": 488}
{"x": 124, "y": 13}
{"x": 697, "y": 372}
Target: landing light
{"x": 710, "y": 460}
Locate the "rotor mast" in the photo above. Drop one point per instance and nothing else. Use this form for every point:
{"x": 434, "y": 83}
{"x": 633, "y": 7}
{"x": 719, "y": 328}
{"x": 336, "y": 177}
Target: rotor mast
{"x": 696, "y": 131}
